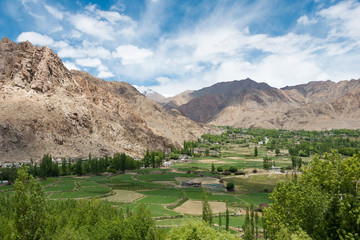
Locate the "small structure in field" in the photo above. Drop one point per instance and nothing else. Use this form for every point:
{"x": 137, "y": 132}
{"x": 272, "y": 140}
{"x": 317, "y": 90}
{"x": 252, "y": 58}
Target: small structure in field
{"x": 167, "y": 163}
{"x": 275, "y": 169}
{"x": 191, "y": 184}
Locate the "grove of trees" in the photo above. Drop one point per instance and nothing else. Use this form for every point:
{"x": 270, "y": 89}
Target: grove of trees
{"x": 322, "y": 203}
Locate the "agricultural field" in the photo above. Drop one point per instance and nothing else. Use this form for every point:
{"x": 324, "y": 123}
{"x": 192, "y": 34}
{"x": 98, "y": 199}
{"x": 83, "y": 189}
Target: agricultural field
{"x": 172, "y": 204}
{"x": 160, "y": 189}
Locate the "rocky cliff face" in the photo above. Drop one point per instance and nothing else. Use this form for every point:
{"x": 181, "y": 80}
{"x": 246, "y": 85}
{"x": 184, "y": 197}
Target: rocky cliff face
{"x": 312, "y": 106}
{"x": 47, "y": 109}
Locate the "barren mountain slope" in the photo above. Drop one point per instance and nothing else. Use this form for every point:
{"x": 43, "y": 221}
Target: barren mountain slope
{"x": 157, "y": 119}
{"x": 47, "y": 109}
{"x": 316, "y": 105}
{"x": 178, "y": 100}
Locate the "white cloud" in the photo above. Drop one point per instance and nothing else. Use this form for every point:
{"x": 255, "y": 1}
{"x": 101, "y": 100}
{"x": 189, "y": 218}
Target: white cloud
{"x": 92, "y": 26}
{"x": 304, "y": 20}
{"x": 70, "y": 65}
{"x": 344, "y": 19}
{"x": 110, "y": 16}
{"x": 131, "y": 54}
{"x": 35, "y": 38}
{"x": 104, "y": 74}
{"x": 56, "y": 13}
{"x": 88, "y": 62}
{"x": 86, "y": 49}
{"x": 216, "y": 47}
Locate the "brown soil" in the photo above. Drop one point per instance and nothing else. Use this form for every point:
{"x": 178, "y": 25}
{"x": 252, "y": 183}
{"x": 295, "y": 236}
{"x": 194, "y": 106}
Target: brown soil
{"x": 195, "y": 207}
{"x": 124, "y": 196}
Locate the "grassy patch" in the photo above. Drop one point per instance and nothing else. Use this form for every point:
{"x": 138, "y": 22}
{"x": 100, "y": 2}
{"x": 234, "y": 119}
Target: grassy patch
{"x": 163, "y": 177}
{"x": 156, "y": 210}
{"x": 6, "y": 187}
{"x": 255, "y": 198}
{"x": 86, "y": 183}
{"x": 169, "y": 192}
{"x": 158, "y": 200}
{"x": 66, "y": 184}
{"x": 175, "y": 221}
{"x": 234, "y": 221}
{"x": 257, "y": 183}
{"x": 48, "y": 181}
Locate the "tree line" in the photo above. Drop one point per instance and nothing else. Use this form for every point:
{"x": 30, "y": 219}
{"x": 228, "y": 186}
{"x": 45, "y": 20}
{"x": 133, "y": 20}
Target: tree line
{"x": 28, "y": 215}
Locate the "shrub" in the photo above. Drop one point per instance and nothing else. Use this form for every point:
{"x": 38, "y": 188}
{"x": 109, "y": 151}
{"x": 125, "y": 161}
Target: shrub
{"x": 226, "y": 173}
{"x": 254, "y": 171}
{"x": 230, "y": 186}
{"x": 219, "y": 169}
{"x": 240, "y": 173}
{"x": 112, "y": 170}
{"x": 233, "y": 169}
{"x": 174, "y": 155}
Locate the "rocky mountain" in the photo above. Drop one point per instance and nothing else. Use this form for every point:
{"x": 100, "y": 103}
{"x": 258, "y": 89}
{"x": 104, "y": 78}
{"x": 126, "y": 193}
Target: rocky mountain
{"x": 246, "y": 103}
{"x": 151, "y": 94}
{"x": 45, "y": 108}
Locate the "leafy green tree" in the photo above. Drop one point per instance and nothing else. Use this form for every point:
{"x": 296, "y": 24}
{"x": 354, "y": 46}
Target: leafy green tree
{"x": 198, "y": 231}
{"x": 230, "y": 186}
{"x": 207, "y": 152}
{"x": 256, "y": 152}
{"x": 323, "y": 203}
{"x": 64, "y": 167}
{"x": 30, "y": 206}
{"x": 277, "y": 151}
{"x": 212, "y": 167}
{"x": 78, "y": 167}
{"x": 123, "y": 162}
{"x": 247, "y": 220}
{"x": 227, "y": 217}
{"x": 46, "y": 166}
{"x": 207, "y": 215}
{"x": 267, "y": 162}
{"x": 220, "y": 220}
{"x": 233, "y": 169}
{"x": 252, "y": 219}
{"x": 256, "y": 225}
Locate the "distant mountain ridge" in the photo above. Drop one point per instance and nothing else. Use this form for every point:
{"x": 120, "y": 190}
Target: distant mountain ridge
{"x": 246, "y": 103}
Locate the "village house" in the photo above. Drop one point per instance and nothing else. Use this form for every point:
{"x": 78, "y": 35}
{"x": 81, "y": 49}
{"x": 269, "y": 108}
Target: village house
{"x": 191, "y": 184}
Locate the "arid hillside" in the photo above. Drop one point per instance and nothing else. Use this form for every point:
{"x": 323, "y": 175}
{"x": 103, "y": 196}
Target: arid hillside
{"x": 246, "y": 103}
{"x": 45, "y": 108}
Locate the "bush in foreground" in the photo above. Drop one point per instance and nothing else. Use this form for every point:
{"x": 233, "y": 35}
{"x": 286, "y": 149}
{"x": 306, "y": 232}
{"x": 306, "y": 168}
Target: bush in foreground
{"x": 198, "y": 230}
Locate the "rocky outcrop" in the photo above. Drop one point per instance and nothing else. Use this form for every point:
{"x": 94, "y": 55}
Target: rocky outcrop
{"x": 46, "y": 108}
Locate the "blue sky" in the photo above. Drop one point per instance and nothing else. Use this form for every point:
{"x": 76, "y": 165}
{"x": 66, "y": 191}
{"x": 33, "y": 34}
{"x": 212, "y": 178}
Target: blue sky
{"x": 177, "y": 45}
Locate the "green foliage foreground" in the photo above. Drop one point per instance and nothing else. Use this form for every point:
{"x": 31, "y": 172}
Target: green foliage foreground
{"x": 28, "y": 215}
{"x": 323, "y": 203}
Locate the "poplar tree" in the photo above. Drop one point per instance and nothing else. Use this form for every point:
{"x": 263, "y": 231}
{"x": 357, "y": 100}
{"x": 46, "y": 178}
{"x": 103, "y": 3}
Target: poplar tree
{"x": 206, "y": 209}
{"x": 227, "y": 219}
{"x": 219, "y": 221}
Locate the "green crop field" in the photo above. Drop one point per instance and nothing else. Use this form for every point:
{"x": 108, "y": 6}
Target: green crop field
{"x": 156, "y": 210}
{"x": 6, "y": 187}
{"x": 163, "y": 177}
{"x": 158, "y": 200}
{"x": 66, "y": 184}
{"x": 169, "y": 192}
